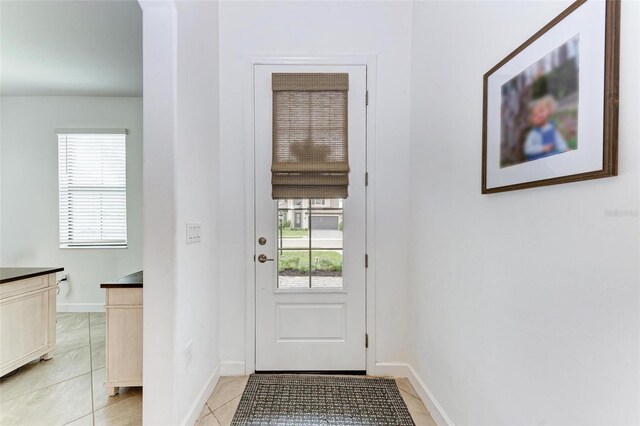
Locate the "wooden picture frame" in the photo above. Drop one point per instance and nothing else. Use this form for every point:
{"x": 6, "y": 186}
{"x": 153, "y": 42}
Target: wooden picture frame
{"x": 574, "y": 58}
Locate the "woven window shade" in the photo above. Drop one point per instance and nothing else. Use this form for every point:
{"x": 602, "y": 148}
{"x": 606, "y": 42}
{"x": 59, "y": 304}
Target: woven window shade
{"x": 310, "y": 151}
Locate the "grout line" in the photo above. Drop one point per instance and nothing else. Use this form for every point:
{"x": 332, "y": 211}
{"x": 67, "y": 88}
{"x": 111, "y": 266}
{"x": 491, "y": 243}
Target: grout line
{"x": 225, "y": 403}
{"x": 214, "y": 413}
{"x": 93, "y": 408}
{"x": 202, "y": 417}
{"x": 45, "y": 387}
{"x": 206, "y": 404}
{"x": 90, "y": 372}
{"x": 70, "y": 349}
{"x": 73, "y": 329}
{"x": 68, "y": 423}
{"x": 412, "y": 393}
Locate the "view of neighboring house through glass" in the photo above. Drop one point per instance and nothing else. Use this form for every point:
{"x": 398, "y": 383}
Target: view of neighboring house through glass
{"x": 310, "y": 248}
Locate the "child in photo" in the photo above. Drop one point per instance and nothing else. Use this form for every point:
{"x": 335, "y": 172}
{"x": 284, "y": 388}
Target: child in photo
{"x": 543, "y": 139}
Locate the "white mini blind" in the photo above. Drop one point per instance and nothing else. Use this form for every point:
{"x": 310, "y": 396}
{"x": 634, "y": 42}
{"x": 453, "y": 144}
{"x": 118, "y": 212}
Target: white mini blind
{"x": 92, "y": 189}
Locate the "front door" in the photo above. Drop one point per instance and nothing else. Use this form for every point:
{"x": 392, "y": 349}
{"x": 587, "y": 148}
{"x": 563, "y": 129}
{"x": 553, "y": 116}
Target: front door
{"x": 310, "y": 285}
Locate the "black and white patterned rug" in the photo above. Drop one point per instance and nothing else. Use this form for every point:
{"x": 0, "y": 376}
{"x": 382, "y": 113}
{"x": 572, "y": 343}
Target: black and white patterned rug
{"x": 286, "y": 399}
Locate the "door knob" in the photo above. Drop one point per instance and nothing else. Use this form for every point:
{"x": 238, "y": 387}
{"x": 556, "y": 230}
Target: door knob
{"x": 263, "y": 258}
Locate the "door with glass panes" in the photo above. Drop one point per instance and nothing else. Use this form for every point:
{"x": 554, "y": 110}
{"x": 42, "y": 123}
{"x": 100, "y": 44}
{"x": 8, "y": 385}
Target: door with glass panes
{"x": 310, "y": 251}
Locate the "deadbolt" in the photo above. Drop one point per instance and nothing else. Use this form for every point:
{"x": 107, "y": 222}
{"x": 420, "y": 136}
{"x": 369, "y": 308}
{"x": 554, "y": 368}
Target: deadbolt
{"x": 262, "y": 241}
{"x": 263, "y": 258}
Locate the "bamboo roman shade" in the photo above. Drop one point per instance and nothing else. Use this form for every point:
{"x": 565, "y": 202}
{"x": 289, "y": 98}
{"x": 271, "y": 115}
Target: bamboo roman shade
{"x": 310, "y": 150}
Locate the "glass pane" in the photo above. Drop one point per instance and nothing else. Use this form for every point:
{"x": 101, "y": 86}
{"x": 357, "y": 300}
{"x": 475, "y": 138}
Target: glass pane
{"x": 293, "y": 231}
{"x": 326, "y": 268}
{"x": 305, "y": 262}
{"x": 293, "y": 268}
{"x": 326, "y": 224}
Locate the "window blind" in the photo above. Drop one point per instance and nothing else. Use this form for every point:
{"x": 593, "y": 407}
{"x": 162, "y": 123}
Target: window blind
{"x": 310, "y": 155}
{"x": 92, "y": 189}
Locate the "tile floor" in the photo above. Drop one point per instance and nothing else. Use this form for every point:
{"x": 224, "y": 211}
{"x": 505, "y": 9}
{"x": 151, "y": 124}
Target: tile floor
{"x": 68, "y": 389}
{"x": 224, "y": 400}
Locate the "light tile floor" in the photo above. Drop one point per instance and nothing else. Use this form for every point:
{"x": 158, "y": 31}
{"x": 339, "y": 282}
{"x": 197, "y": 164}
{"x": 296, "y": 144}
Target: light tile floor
{"x": 224, "y": 400}
{"x": 68, "y": 389}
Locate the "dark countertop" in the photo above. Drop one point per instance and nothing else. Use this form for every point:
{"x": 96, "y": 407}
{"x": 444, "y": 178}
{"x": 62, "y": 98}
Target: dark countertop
{"x": 128, "y": 281}
{"x": 8, "y": 275}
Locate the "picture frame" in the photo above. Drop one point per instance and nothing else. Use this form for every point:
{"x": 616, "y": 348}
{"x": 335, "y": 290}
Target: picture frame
{"x": 550, "y": 107}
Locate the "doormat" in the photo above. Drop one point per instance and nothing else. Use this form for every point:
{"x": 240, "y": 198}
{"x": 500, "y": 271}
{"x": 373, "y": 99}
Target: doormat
{"x": 285, "y": 399}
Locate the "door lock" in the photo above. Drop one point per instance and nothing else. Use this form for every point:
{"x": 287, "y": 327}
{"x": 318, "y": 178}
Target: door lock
{"x": 262, "y": 241}
{"x": 263, "y": 258}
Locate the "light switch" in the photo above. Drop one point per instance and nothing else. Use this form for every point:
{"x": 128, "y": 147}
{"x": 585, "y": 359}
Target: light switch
{"x": 193, "y": 232}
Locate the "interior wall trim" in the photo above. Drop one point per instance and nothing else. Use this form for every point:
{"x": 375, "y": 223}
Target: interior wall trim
{"x": 198, "y": 404}
{"x": 403, "y": 369}
{"x": 80, "y": 307}
{"x": 233, "y": 368}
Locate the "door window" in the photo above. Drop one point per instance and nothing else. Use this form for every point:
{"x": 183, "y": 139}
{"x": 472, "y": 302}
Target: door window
{"x": 310, "y": 243}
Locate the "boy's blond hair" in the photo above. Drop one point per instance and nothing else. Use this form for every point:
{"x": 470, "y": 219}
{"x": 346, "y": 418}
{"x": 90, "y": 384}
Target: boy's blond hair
{"x": 549, "y": 100}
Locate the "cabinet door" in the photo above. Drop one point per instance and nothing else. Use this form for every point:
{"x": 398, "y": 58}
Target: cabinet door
{"x": 124, "y": 345}
{"x": 23, "y": 326}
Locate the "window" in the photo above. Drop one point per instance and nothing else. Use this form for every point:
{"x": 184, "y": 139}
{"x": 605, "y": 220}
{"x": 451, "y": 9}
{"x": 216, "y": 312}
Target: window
{"x": 92, "y": 188}
{"x": 310, "y": 254}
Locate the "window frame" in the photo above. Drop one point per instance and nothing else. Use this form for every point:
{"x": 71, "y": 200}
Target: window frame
{"x": 68, "y": 243}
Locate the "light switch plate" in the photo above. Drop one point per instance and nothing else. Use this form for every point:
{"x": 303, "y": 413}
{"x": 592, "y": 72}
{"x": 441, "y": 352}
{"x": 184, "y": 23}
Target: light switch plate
{"x": 193, "y": 232}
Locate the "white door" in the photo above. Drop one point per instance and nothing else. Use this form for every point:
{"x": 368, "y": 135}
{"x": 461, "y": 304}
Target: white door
{"x": 310, "y": 299}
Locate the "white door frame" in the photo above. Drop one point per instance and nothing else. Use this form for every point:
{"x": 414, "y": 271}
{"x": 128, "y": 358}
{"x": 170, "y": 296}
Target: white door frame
{"x": 250, "y": 264}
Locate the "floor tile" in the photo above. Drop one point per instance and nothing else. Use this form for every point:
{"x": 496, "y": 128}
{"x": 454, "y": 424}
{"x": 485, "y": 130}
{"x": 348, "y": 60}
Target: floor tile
{"x": 54, "y": 405}
{"x": 97, "y": 333}
{"x": 96, "y": 318}
{"x": 126, "y": 412}
{"x": 404, "y": 384}
{"x": 39, "y": 374}
{"x": 228, "y": 388}
{"x": 208, "y": 420}
{"x": 418, "y": 411}
{"x": 224, "y": 414}
{"x": 72, "y": 339}
{"x": 97, "y": 356}
{"x": 204, "y": 412}
{"x": 102, "y": 399}
{"x": 68, "y": 321}
{"x": 82, "y": 421}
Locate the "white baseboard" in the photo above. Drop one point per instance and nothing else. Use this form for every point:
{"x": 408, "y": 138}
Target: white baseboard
{"x": 403, "y": 369}
{"x": 232, "y": 368}
{"x": 392, "y": 369}
{"x": 80, "y": 307}
{"x": 197, "y": 406}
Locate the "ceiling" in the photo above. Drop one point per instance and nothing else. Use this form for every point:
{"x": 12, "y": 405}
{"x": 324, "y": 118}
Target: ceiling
{"x": 71, "y": 48}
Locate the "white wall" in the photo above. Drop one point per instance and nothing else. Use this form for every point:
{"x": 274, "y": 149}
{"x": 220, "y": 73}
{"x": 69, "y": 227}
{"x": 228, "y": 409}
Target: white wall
{"x": 525, "y": 305}
{"x": 29, "y": 203}
{"x": 181, "y": 185}
{"x": 319, "y": 29}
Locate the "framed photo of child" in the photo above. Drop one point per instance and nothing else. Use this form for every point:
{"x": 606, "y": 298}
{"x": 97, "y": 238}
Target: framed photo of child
{"x": 551, "y": 106}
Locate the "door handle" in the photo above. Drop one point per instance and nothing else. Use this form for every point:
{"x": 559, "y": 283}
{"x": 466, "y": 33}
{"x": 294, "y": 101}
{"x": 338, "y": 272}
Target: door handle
{"x": 263, "y": 258}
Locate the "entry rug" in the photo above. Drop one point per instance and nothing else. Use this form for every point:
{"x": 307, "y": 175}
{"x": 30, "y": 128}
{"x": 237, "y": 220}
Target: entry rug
{"x": 286, "y": 399}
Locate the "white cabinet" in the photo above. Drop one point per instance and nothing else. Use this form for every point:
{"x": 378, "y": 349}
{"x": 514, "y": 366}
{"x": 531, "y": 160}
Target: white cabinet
{"x": 123, "y": 348}
{"x": 27, "y": 320}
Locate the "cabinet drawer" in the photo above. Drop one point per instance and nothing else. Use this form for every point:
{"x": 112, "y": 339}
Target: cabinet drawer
{"x": 124, "y": 296}
{"x": 23, "y": 286}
